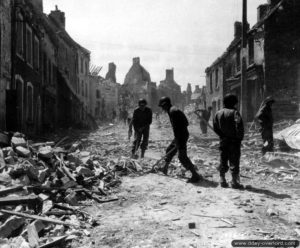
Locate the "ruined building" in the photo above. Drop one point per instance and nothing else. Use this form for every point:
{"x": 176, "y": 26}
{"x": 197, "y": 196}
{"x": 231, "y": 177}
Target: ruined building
{"x": 5, "y": 59}
{"x": 272, "y": 62}
{"x": 168, "y": 87}
{"x": 137, "y": 84}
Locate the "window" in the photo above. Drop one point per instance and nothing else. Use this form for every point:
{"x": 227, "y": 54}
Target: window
{"x": 210, "y": 83}
{"x": 36, "y": 53}
{"x": 219, "y": 104}
{"x": 98, "y": 94}
{"x": 86, "y": 90}
{"x": 251, "y": 50}
{"x": 86, "y": 68}
{"x": 82, "y": 88}
{"x": 217, "y": 78}
{"x": 29, "y": 102}
{"x": 50, "y": 71}
{"x": 78, "y": 87}
{"x": 20, "y": 36}
{"x": 238, "y": 59}
{"x": 45, "y": 68}
{"x": 28, "y": 45}
{"x": 81, "y": 65}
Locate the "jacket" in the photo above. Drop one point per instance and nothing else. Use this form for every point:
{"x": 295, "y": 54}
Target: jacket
{"x": 265, "y": 117}
{"x": 141, "y": 118}
{"x": 179, "y": 122}
{"x": 228, "y": 125}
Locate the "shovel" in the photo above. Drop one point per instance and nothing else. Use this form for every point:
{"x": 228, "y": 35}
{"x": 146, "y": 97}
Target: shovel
{"x": 154, "y": 169}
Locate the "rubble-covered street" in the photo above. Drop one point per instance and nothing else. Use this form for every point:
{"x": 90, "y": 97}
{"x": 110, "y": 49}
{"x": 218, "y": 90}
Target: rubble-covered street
{"x": 83, "y": 190}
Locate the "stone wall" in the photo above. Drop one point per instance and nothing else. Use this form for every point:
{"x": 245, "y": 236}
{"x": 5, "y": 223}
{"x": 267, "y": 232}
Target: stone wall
{"x": 5, "y": 57}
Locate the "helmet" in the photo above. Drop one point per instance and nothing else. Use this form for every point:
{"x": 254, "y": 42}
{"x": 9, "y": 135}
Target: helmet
{"x": 164, "y": 101}
{"x": 269, "y": 99}
{"x": 142, "y": 101}
{"x": 230, "y": 100}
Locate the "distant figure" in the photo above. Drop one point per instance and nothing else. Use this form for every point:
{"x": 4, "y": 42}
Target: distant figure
{"x": 141, "y": 121}
{"x": 157, "y": 115}
{"x": 114, "y": 115}
{"x": 204, "y": 116}
{"x": 124, "y": 116}
{"x": 179, "y": 124}
{"x": 228, "y": 125}
{"x": 264, "y": 117}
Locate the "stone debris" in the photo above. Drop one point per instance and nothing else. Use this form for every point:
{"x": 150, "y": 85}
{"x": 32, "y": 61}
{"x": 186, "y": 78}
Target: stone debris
{"x": 43, "y": 185}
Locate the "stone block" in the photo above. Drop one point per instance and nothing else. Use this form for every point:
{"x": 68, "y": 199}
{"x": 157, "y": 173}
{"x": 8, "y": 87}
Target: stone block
{"x": 10, "y": 225}
{"x": 23, "y": 152}
{"x": 16, "y": 141}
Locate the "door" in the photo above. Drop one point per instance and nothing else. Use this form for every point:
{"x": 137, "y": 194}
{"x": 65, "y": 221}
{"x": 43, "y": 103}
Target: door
{"x": 11, "y": 110}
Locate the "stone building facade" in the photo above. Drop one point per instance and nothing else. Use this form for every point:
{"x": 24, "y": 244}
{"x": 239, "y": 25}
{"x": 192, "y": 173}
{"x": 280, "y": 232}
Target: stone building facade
{"x": 169, "y": 87}
{"x": 5, "y": 58}
{"x": 272, "y": 62}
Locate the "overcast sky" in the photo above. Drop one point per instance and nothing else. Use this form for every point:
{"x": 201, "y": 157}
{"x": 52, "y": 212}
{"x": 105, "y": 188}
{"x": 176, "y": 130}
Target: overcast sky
{"x": 187, "y": 35}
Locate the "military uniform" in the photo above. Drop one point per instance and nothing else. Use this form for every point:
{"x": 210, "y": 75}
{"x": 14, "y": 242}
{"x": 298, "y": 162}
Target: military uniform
{"x": 228, "y": 125}
{"x": 181, "y": 135}
{"x": 265, "y": 119}
{"x": 141, "y": 122}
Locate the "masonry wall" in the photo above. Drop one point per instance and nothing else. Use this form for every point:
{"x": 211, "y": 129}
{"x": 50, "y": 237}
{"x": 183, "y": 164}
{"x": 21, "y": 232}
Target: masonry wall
{"x": 5, "y": 57}
{"x": 282, "y": 60}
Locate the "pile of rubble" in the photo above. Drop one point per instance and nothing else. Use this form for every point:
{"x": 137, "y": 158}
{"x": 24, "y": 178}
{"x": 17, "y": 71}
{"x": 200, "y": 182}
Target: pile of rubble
{"x": 44, "y": 186}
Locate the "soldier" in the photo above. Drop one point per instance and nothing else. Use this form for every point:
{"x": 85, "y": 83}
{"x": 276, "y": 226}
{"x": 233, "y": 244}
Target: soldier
{"x": 265, "y": 118}
{"x": 228, "y": 125}
{"x": 141, "y": 121}
{"x": 181, "y": 135}
{"x": 204, "y": 116}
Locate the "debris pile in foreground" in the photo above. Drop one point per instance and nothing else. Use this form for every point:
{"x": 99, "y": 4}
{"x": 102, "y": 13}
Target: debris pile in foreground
{"x": 44, "y": 187}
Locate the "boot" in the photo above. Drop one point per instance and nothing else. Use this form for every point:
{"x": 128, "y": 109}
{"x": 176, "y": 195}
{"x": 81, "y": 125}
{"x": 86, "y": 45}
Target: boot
{"x": 142, "y": 153}
{"x": 165, "y": 168}
{"x": 223, "y": 182}
{"x": 134, "y": 156}
{"x": 235, "y": 183}
{"x": 196, "y": 177}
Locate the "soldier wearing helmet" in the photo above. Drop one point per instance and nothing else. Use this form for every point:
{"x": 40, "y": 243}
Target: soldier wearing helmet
{"x": 264, "y": 117}
{"x": 141, "y": 121}
{"x": 228, "y": 125}
{"x": 181, "y": 135}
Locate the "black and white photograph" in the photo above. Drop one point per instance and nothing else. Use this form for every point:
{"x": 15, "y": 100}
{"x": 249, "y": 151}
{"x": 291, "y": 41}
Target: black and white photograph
{"x": 149, "y": 123}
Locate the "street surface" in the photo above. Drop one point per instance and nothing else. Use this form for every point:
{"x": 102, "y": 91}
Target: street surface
{"x": 154, "y": 210}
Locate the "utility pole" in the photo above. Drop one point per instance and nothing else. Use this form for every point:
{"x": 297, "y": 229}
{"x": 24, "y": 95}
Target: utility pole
{"x": 244, "y": 95}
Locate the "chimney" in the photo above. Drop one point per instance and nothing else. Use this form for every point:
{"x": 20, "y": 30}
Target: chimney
{"x": 59, "y": 17}
{"x": 38, "y": 4}
{"x": 136, "y": 60}
{"x": 170, "y": 74}
{"x": 238, "y": 26}
{"x": 111, "y": 74}
{"x": 262, "y": 11}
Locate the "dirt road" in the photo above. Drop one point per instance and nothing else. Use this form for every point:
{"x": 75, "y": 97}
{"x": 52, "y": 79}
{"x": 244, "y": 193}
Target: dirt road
{"x": 155, "y": 211}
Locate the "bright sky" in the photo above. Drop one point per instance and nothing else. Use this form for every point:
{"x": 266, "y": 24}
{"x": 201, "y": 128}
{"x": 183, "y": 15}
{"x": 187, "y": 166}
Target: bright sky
{"x": 187, "y": 35}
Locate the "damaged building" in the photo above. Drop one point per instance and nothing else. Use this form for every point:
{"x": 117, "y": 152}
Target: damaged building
{"x": 137, "y": 84}
{"x": 272, "y": 62}
{"x": 169, "y": 87}
{"x": 5, "y": 58}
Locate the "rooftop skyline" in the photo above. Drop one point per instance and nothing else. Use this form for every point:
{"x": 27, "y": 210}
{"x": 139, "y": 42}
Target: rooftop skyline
{"x": 187, "y": 35}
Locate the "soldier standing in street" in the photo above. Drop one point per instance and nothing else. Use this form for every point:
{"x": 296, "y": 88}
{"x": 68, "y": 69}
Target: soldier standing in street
{"x": 181, "y": 135}
{"x": 264, "y": 117}
{"x": 141, "y": 121}
{"x": 228, "y": 125}
{"x": 204, "y": 116}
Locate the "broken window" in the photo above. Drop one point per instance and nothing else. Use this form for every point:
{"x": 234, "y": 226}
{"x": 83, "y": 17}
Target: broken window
{"x": 98, "y": 94}
{"x": 20, "y": 36}
{"x": 36, "y": 53}
{"x": 29, "y": 102}
{"x": 28, "y": 45}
